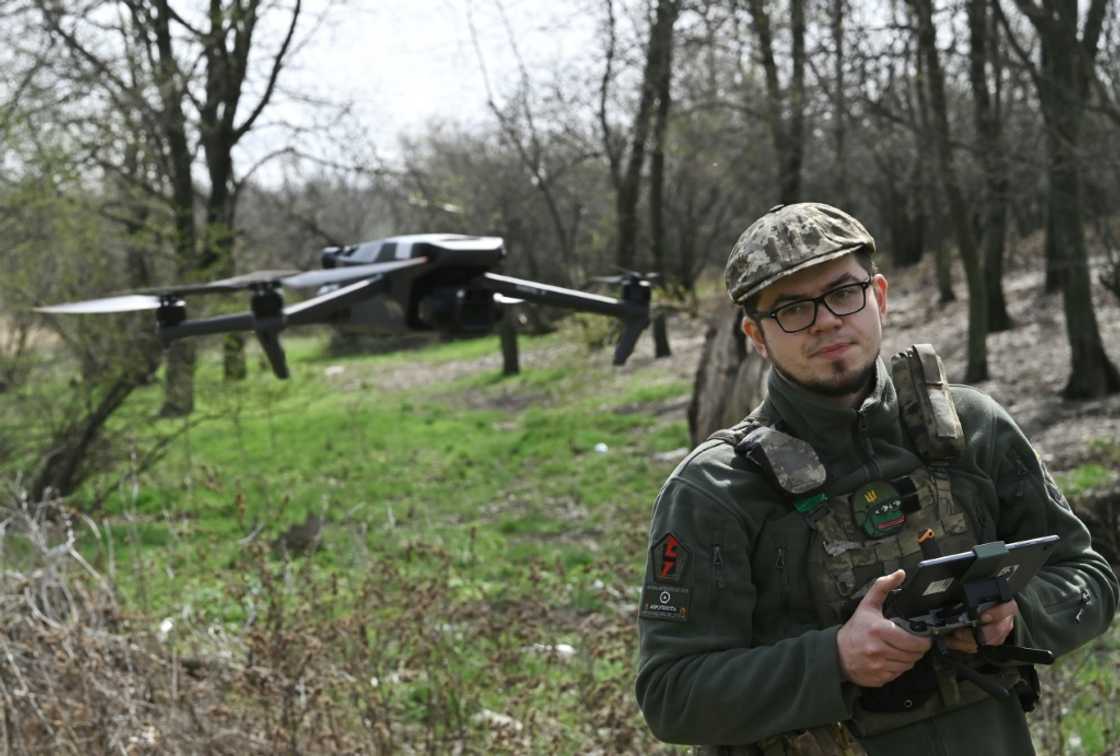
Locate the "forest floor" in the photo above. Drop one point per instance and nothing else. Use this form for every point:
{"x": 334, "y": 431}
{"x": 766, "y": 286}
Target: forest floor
{"x": 1028, "y": 365}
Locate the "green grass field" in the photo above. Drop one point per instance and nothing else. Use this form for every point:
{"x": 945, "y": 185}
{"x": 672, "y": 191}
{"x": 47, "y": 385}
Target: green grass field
{"x": 489, "y": 533}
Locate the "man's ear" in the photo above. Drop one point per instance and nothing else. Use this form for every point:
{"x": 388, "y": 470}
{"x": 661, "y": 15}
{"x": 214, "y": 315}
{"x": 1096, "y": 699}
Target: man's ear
{"x": 879, "y": 283}
{"x": 753, "y": 332}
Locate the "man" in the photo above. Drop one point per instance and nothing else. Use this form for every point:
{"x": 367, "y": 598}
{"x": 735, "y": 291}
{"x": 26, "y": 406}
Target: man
{"x": 774, "y": 545}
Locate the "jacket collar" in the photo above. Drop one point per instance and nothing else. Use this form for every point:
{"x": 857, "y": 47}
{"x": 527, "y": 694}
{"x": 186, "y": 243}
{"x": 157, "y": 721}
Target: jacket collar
{"x": 828, "y": 428}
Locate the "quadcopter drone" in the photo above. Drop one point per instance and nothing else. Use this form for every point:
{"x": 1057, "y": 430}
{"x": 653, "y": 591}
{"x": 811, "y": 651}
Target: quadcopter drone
{"x": 438, "y": 282}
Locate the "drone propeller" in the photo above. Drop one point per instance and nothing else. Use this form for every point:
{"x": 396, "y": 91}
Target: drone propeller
{"x": 106, "y": 305}
{"x": 627, "y": 276}
{"x": 156, "y": 297}
{"x": 316, "y": 278}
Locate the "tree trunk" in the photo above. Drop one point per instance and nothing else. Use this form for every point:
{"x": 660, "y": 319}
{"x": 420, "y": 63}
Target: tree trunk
{"x": 730, "y": 378}
{"x": 628, "y": 191}
{"x": 1092, "y": 374}
{"x": 657, "y": 160}
{"x": 993, "y": 158}
{"x": 179, "y": 385}
{"x": 926, "y": 197}
{"x": 839, "y": 109}
{"x": 788, "y": 138}
{"x": 1064, "y": 77}
{"x": 977, "y": 369}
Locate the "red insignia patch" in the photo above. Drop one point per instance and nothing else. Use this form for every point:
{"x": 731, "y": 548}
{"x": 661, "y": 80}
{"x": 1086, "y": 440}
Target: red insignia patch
{"x": 669, "y": 558}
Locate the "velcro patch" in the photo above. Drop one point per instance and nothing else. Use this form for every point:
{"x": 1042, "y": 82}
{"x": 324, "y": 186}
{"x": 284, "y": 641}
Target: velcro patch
{"x": 669, "y": 558}
{"x": 877, "y": 509}
{"x": 661, "y": 602}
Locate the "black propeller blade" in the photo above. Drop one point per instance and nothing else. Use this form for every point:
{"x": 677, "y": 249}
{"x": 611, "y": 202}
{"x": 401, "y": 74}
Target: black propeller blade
{"x": 627, "y": 276}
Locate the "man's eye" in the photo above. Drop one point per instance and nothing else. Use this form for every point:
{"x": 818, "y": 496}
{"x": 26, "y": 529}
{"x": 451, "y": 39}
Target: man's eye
{"x": 796, "y": 310}
{"x": 843, "y": 294}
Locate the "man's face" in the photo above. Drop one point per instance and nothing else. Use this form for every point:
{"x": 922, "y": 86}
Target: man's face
{"x": 836, "y": 355}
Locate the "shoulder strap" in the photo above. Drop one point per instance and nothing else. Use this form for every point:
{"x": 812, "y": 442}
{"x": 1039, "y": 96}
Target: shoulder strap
{"x": 926, "y": 405}
{"x": 789, "y": 462}
{"x": 736, "y": 433}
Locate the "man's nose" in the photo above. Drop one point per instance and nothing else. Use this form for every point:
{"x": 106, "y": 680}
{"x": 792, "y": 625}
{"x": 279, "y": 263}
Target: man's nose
{"x": 825, "y": 319}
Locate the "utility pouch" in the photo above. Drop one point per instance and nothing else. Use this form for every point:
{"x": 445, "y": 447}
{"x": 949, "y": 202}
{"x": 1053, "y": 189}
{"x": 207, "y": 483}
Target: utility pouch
{"x": 927, "y": 408}
{"x": 827, "y": 740}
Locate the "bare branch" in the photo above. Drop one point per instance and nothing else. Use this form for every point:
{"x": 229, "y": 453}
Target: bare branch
{"x": 274, "y": 74}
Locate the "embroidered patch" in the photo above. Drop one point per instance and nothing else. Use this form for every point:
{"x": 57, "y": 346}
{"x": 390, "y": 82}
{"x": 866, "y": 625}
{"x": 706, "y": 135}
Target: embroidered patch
{"x": 669, "y": 558}
{"x": 877, "y": 509}
{"x": 661, "y": 602}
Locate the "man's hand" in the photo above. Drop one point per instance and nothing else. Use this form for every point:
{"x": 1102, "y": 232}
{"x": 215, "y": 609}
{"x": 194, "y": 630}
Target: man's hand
{"x": 996, "y": 624}
{"x": 874, "y": 650}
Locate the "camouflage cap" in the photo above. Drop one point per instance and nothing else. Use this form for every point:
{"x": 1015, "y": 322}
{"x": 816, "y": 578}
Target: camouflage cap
{"x": 787, "y": 239}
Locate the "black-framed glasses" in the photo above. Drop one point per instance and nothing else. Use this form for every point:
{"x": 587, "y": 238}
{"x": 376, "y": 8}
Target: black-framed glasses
{"x": 843, "y": 300}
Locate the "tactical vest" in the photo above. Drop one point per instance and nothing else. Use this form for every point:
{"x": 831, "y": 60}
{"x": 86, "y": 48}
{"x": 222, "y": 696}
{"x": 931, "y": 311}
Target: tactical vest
{"x": 859, "y": 535}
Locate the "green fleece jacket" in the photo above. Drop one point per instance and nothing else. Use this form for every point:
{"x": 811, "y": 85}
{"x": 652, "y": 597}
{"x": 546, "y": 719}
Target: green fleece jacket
{"x": 738, "y": 653}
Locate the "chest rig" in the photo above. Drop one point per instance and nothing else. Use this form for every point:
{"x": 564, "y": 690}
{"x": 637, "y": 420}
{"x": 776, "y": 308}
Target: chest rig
{"x": 861, "y": 534}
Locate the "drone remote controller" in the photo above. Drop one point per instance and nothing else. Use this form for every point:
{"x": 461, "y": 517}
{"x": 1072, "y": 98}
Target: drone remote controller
{"x": 938, "y": 622}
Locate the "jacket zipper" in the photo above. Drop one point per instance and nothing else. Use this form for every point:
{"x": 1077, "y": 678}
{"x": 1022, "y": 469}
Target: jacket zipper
{"x": 717, "y": 565}
{"x": 868, "y": 450}
{"x": 780, "y": 566}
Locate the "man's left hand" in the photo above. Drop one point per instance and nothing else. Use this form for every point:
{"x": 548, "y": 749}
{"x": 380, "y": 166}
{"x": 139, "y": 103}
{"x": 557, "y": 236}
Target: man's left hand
{"x": 996, "y": 624}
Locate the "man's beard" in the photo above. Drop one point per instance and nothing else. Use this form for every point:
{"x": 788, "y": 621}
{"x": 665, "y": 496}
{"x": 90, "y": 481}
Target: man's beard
{"x": 840, "y": 385}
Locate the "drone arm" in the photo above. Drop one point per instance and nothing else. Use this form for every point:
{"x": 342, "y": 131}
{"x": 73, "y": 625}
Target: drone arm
{"x": 634, "y": 315}
{"x": 206, "y": 326}
{"x": 560, "y": 297}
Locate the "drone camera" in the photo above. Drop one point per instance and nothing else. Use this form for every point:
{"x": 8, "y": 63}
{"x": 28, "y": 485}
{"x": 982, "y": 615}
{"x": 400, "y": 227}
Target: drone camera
{"x": 459, "y": 310}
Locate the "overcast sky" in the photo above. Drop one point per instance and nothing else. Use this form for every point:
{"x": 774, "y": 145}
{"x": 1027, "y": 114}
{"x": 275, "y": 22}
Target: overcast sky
{"x": 403, "y": 63}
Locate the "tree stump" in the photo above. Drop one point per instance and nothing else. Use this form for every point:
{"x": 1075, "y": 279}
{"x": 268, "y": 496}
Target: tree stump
{"x": 730, "y": 379}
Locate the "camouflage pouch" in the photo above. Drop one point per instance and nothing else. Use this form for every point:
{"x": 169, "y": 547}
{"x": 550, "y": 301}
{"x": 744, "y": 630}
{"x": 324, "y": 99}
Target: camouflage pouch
{"x": 827, "y": 740}
{"x": 926, "y": 407}
{"x": 792, "y": 463}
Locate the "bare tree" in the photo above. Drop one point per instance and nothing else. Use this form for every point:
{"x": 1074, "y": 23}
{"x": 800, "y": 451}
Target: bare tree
{"x": 977, "y": 369}
{"x": 785, "y": 111}
{"x": 626, "y": 156}
{"x": 983, "y": 54}
{"x": 179, "y": 87}
{"x": 1063, "y": 76}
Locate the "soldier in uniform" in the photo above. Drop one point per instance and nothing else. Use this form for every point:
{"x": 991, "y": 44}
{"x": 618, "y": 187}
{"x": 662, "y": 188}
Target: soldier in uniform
{"x": 774, "y": 544}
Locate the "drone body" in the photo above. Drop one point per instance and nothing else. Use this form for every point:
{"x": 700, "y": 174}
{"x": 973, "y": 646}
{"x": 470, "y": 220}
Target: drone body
{"x": 439, "y": 282}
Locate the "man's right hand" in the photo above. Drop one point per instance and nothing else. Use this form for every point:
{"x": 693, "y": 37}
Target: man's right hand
{"x": 874, "y": 650}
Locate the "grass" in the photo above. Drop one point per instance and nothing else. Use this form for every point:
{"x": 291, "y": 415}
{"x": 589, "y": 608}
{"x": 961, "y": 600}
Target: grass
{"x": 515, "y": 509}
{"x": 1084, "y": 478}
